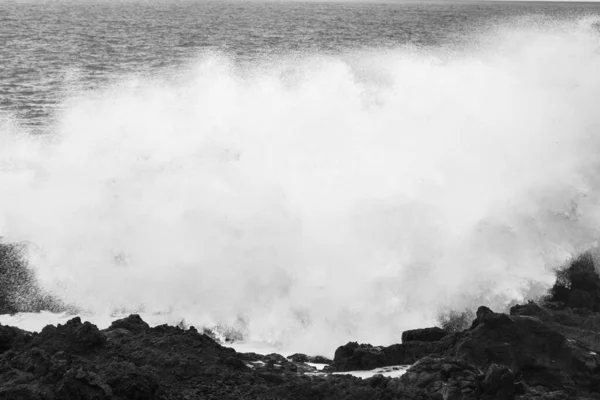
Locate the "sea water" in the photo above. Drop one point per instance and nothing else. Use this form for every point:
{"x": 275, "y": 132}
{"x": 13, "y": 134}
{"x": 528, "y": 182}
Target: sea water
{"x": 297, "y": 174}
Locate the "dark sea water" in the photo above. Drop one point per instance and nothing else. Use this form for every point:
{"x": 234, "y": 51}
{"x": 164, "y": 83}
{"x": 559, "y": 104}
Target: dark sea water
{"x": 49, "y": 47}
{"x": 302, "y": 173}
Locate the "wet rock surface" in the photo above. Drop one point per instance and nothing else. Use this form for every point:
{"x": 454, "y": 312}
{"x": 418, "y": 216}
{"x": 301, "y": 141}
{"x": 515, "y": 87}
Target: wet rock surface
{"x": 424, "y": 335}
{"x": 78, "y": 361}
{"x": 546, "y": 350}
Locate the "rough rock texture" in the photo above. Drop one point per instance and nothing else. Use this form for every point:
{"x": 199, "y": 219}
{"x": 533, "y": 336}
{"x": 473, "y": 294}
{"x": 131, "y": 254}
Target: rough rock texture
{"x": 353, "y": 356}
{"x": 546, "y": 351}
{"x": 130, "y": 360}
{"x": 540, "y": 351}
{"x": 299, "y": 357}
{"x": 424, "y": 335}
{"x": 578, "y": 285}
{"x": 499, "y": 357}
{"x": 442, "y": 377}
{"x": 134, "y": 324}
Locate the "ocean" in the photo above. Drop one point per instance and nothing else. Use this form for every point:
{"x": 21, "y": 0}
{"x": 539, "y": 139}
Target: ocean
{"x": 299, "y": 173}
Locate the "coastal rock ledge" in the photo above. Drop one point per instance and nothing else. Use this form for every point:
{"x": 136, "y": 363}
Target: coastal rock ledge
{"x": 544, "y": 350}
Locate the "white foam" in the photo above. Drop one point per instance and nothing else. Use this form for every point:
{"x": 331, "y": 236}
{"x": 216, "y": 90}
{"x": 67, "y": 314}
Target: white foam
{"x": 34, "y": 322}
{"x": 318, "y": 366}
{"x": 254, "y": 347}
{"x": 311, "y": 201}
{"x": 395, "y": 371}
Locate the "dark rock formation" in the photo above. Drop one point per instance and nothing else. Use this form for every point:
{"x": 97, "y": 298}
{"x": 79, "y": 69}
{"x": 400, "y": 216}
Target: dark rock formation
{"x": 540, "y": 351}
{"x": 353, "y": 356}
{"x": 299, "y": 357}
{"x": 424, "y": 335}
{"x": 442, "y": 377}
{"x": 527, "y": 346}
{"x": 133, "y": 324}
{"x": 10, "y": 337}
{"x": 578, "y": 285}
{"x": 78, "y": 361}
{"x": 546, "y": 351}
{"x": 499, "y": 383}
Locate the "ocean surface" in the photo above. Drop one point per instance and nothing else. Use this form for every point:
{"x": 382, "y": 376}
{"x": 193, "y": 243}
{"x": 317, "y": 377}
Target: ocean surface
{"x": 301, "y": 173}
{"x": 51, "y": 48}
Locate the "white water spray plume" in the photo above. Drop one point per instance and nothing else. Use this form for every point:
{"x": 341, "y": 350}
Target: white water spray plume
{"x": 311, "y": 200}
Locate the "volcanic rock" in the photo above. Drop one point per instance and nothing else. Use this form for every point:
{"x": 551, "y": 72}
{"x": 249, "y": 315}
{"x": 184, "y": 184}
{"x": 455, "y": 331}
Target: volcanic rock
{"x": 132, "y": 323}
{"x": 300, "y": 357}
{"x": 354, "y": 356}
{"x": 442, "y": 377}
{"x": 546, "y": 350}
{"x": 11, "y": 336}
{"x": 578, "y": 285}
{"x": 424, "y": 335}
{"x": 76, "y": 361}
{"x": 499, "y": 383}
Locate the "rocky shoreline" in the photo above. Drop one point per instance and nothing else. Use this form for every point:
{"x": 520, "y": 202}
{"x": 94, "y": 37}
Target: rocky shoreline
{"x": 540, "y": 350}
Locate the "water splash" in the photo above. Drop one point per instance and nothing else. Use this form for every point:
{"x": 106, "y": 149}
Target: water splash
{"x": 311, "y": 200}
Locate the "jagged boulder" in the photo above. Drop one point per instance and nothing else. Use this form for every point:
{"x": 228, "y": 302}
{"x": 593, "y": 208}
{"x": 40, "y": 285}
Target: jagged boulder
{"x": 11, "y": 336}
{"x": 498, "y": 384}
{"x": 132, "y": 323}
{"x": 83, "y": 383}
{"x": 74, "y": 336}
{"x": 354, "y": 356}
{"x": 578, "y": 325}
{"x": 128, "y": 381}
{"x": 447, "y": 378}
{"x": 490, "y": 318}
{"x": 578, "y": 285}
{"x": 300, "y": 357}
{"x": 541, "y": 355}
{"x": 424, "y": 335}
{"x": 539, "y": 351}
